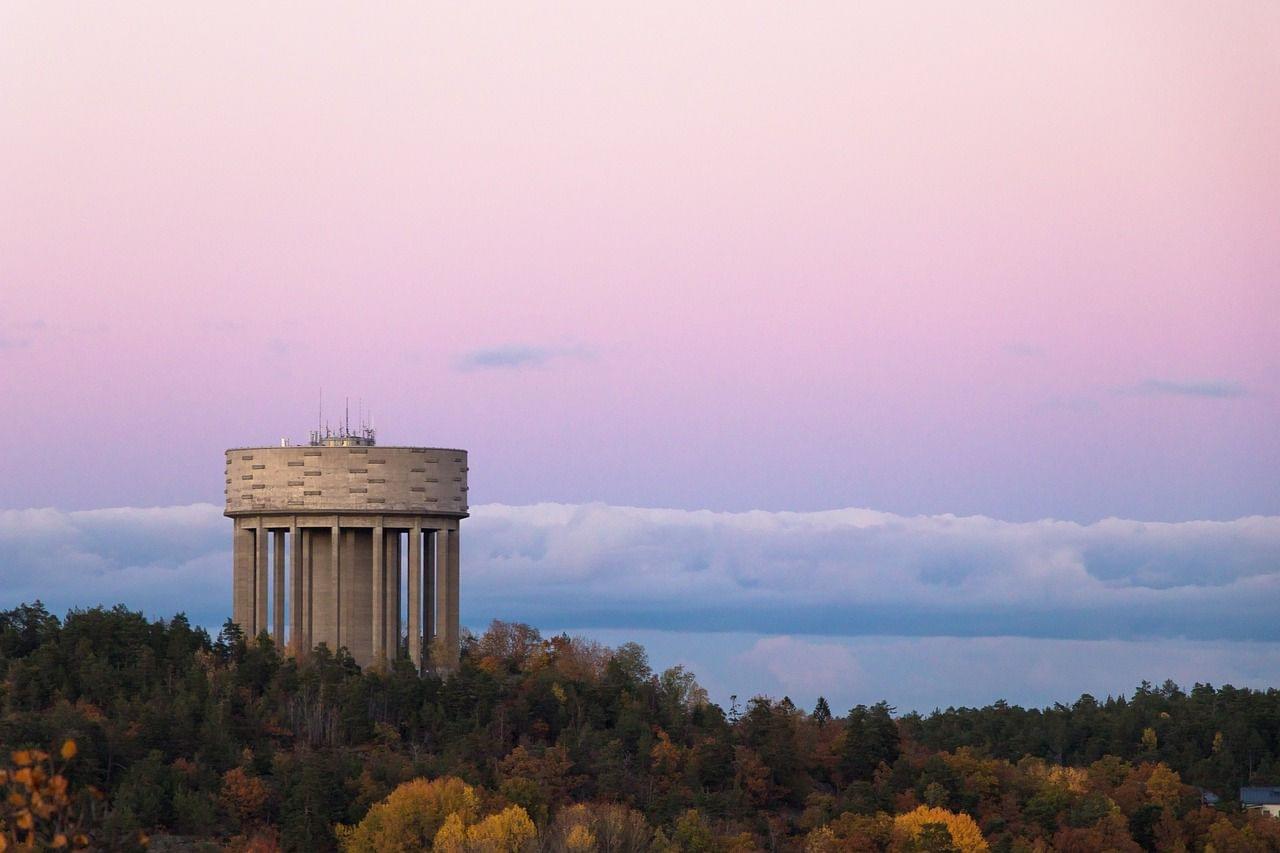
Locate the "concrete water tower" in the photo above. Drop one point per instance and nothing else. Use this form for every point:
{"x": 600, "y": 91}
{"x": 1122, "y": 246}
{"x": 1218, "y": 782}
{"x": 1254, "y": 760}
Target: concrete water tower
{"x": 369, "y": 536}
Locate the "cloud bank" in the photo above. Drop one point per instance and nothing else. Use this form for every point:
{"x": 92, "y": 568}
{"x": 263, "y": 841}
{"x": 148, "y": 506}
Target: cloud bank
{"x": 847, "y": 572}
{"x": 857, "y": 572}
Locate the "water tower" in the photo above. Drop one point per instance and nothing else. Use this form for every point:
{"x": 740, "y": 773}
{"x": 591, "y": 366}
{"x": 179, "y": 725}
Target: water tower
{"x": 347, "y": 543}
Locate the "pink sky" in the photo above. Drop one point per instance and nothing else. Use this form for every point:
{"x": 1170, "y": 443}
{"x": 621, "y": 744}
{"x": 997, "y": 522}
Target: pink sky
{"x": 1013, "y": 259}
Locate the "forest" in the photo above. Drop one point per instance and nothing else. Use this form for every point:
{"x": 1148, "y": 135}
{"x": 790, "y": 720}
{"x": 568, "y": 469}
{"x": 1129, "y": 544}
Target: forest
{"x": 118, "y": 732}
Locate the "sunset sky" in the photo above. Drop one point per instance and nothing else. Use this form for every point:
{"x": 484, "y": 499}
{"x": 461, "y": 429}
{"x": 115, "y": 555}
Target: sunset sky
{"x": 1011, "y": 260}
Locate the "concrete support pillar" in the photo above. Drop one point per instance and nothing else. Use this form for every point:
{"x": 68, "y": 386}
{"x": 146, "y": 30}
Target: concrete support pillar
{"x": 451, "y": 619}
{"x": 392, "y": 600}
{"x": 323, "y": 609}
{"x": 429, "y": 586}
{"x": 442, "y": 590}
{"x": 357, "y": 593}
{"x": 242, "y": 578}
{"x": 415, "y": 594}
{"x": 335, "y": 586}
{"x": 304, "y": 601}
{"x": 277, "y": 589}
{"x": 379, "y": 602}
{"x": 447, "y": 560}
{"x": 260, "y": 614}
{"x": 295, "y": 592}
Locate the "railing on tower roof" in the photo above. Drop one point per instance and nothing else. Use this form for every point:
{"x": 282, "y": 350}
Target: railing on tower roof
{"x": 343, "y": 437}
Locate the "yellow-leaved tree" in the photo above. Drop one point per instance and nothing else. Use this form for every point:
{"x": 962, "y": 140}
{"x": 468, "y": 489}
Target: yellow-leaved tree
{"x": 410, "y": 817}
{"x": 509, "y": 831}
{"x": 1164, "y": 786}
{"x": 581, "y": 840}
{"x": 965, "y": 834}
{"x": 452, "y": 837}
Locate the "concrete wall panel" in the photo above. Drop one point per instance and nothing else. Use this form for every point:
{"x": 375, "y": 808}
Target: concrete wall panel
{"x": 418, "y": 480}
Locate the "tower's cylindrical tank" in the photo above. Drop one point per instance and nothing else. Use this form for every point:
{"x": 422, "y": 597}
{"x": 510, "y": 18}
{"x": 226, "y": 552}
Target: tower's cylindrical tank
{"x": 306, "y": 479}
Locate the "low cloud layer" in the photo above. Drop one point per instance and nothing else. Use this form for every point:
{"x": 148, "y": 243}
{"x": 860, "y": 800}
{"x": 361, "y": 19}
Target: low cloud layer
{"x": 849, "y": 572}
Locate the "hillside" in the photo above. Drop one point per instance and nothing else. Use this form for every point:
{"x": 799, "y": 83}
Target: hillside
{"x": 562, "y": 744}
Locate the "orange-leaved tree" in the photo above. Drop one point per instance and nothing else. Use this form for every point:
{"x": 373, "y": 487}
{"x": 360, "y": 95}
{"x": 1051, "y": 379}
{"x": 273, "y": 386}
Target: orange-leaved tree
{"x": 38, "y": 809}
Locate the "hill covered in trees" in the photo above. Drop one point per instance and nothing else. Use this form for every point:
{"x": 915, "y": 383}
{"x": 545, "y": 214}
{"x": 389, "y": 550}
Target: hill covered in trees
{"x": 122, "y": 732}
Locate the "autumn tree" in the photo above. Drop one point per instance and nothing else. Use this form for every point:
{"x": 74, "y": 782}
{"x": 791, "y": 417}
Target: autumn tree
{"x": 243, "y": 796}
{"x": 614, "y": 828}
{"x": 508, "y": 645}
{"x": 410, "y": 817}
{"x": 538, "y": 780}
{"x": 964, "y": 834}
{"x": 852, "y": 833}
{"x": 39, "y": 808}
{"x": 508, "y": 831}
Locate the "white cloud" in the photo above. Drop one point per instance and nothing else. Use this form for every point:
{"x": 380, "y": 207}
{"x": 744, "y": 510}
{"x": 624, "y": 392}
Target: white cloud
{"x": 804, "y": 667}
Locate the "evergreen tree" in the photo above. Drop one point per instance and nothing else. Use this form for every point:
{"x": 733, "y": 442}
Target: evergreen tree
{"x": 870, "y": 737}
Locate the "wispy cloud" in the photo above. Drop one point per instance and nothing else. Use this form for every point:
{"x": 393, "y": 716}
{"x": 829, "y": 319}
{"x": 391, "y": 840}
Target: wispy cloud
{"x": 515, "y": 356}
{"x": 15, "y": 336}
{"x": 1021, "y": 349}
{"x": 1207, "y": 388}
{"x": 220, "y": 326}
{"x": 848, "y": 572}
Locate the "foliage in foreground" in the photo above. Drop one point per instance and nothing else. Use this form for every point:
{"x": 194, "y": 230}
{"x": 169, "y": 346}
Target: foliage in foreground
{"x": 562, "y": 744}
